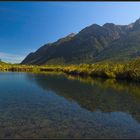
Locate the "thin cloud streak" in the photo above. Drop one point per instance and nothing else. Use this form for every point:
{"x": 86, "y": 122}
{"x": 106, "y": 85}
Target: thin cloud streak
{"x": 11, "y": 58}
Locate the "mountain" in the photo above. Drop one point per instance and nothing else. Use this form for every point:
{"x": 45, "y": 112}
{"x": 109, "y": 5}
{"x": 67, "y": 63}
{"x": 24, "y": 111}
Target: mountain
{"x": 126, "y": 47}
{"x": 2, "y": 63}
{"x": 92, "y": 44}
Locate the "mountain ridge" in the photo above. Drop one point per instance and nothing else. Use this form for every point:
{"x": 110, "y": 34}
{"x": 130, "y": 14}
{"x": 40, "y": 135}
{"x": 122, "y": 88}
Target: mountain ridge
{"x": 92, "y": 44}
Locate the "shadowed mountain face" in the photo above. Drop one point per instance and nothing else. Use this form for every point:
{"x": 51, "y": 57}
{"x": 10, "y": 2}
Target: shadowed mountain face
{"x": 92, "y": 44}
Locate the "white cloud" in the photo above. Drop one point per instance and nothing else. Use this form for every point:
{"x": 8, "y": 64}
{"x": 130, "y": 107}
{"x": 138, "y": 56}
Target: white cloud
{"x": 12, "y": 58}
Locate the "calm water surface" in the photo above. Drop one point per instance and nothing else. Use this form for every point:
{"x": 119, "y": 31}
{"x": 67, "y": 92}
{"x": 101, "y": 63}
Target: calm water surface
{"x": 58, "y": 106}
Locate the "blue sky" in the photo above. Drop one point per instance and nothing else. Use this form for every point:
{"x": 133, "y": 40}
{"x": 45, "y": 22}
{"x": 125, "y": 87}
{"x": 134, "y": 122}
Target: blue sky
{"x": 26, "y": 26}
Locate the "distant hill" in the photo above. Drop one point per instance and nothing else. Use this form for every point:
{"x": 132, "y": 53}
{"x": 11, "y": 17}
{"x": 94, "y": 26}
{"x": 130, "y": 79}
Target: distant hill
{"x": 3, "y": 63}
{"x": 92, "y": 44}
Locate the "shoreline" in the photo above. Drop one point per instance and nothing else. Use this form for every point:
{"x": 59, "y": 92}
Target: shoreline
{"x": 127, "y": 72}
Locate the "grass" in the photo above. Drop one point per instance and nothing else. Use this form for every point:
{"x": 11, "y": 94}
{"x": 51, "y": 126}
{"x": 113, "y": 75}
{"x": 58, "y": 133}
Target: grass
{"x": 126, "y": 71}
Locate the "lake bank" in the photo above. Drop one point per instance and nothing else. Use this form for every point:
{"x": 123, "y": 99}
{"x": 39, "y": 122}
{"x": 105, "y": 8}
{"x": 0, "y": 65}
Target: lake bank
{"x": 129, "y": 71}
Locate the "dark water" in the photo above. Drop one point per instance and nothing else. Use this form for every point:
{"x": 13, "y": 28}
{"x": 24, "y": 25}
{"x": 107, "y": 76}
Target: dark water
{"x": 56, "y": 106}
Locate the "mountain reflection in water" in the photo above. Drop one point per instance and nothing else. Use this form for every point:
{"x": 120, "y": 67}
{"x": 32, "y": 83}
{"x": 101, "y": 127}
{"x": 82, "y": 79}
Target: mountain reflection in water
{"x": 54, "y": 105}
{"x": 94, "y": 94}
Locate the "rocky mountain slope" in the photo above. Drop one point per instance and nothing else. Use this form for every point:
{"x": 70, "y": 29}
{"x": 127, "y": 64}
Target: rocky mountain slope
{"x": 92, "y": 44}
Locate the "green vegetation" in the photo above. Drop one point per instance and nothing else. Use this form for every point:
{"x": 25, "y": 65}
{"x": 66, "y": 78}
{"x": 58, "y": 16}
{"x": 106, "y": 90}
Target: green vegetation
{"x": 126, "y": 71}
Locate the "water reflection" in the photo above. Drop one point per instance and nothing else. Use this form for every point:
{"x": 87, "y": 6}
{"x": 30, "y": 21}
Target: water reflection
{"x": 58, "y": 106}
{"x": 94, "y": 94}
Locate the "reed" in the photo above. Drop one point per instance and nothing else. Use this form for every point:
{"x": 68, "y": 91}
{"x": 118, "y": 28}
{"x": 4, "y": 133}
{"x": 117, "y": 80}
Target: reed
{"x": 129, "y": 71}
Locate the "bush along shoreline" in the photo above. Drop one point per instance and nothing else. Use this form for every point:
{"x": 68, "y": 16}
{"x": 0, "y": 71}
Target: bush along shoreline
{"x": 127, "y": 71}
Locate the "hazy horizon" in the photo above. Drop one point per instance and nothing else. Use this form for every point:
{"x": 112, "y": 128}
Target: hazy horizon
{"x": 26, "y": 26}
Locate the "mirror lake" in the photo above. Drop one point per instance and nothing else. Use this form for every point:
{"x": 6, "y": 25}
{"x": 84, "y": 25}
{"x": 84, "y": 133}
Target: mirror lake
{"x": 54, "y": 105}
